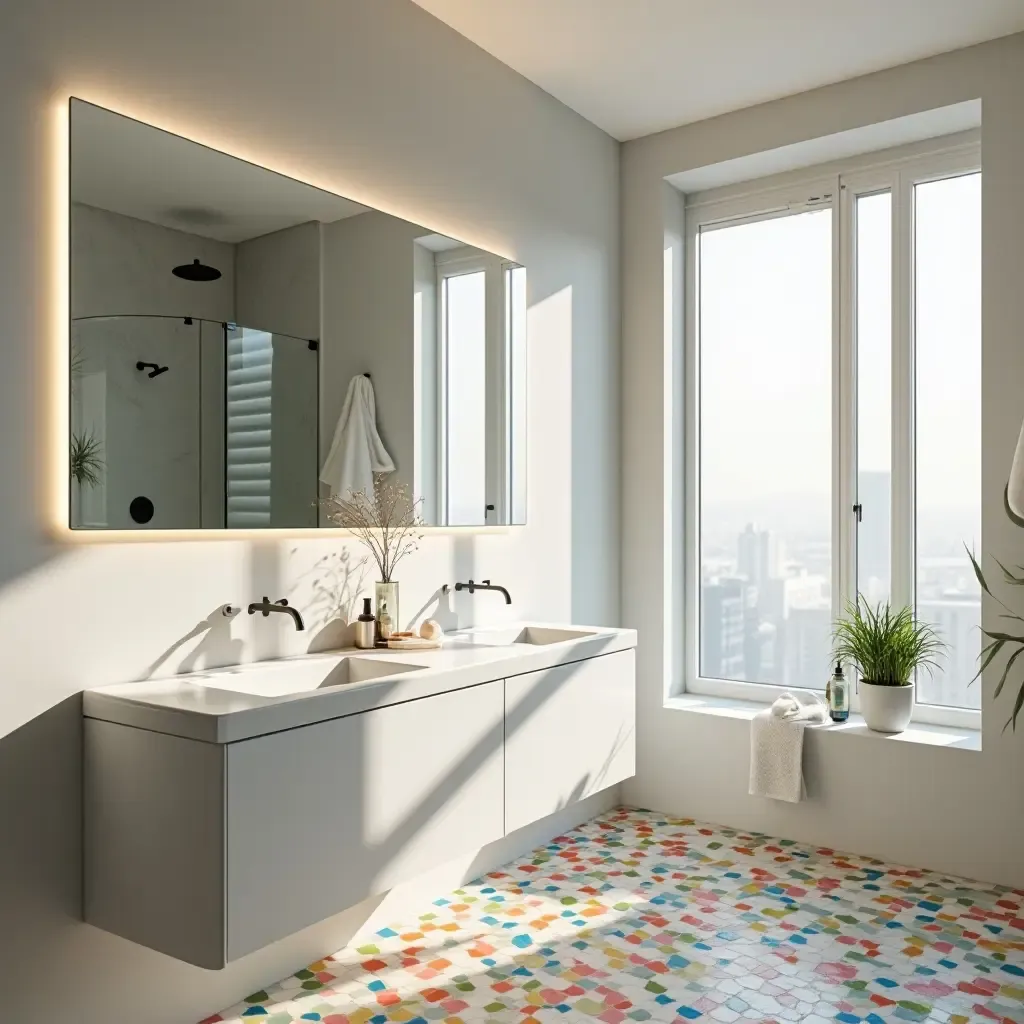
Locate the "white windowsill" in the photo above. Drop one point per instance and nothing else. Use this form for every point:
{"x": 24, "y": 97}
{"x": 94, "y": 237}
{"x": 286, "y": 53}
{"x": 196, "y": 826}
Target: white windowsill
{"x": 916, "y": 732}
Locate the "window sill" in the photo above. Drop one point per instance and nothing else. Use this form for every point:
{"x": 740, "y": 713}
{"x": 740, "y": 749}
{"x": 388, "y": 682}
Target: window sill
{"x": 917, "y": 732}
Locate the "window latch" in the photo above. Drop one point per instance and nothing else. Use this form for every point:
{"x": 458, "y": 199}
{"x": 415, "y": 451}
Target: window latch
{"x": 858, "y": 511}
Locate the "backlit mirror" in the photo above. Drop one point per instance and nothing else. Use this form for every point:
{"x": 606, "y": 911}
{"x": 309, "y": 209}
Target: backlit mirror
{"x": 244, "y": 345}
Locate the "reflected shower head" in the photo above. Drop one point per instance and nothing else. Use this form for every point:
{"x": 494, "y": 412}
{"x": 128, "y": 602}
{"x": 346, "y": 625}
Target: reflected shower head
{"x": 196, "y": 271}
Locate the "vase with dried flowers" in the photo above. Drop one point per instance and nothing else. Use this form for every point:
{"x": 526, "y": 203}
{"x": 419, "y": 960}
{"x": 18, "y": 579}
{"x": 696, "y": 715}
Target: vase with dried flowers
{"x": 389, "y": 525}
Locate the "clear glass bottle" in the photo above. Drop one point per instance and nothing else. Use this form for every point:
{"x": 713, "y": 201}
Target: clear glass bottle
{"x": 838, "y": 693}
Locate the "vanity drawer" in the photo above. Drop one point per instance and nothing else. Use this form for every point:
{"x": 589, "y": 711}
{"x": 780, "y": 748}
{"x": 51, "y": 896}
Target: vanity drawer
{"x": 570, "y": 732}
{"x": 321, "y": 817}
{"x": 209, "y": 851}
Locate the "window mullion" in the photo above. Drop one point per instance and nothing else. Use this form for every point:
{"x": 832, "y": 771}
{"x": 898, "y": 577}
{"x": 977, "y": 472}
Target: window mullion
{"x": 845, "y": 448}
{"x": 903, "y": 538}
{"x": 844, "y": 403}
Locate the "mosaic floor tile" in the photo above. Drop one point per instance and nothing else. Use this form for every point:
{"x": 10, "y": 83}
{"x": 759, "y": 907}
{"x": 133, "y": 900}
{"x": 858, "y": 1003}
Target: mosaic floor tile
{"x": 638, "y": 917}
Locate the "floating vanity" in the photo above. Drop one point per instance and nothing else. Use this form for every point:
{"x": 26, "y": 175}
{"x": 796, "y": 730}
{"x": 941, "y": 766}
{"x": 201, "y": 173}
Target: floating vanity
{"x": 226, "y": 810}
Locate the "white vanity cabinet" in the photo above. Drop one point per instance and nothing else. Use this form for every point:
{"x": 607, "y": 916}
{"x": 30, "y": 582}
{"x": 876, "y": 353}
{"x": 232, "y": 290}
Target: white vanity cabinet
{"x": 322, "y": 817}
{"x": 208, "y": 852}
{"x": 227, "y": 810}
{"x": 570, "y": 731}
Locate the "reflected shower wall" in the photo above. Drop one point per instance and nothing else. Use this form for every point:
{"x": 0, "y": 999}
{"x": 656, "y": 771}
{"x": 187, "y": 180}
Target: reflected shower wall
{"x": 182, "y": 423}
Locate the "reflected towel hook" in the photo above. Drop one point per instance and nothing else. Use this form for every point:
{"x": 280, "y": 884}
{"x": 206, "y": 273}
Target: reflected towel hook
{"x": 366, "y": 375}
{"x": 154, "y": 368}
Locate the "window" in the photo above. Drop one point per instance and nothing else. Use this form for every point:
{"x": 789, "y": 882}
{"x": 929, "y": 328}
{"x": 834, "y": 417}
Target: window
{"x": 766, "y": 449}
{"x": 481, "y": 373}
{"x": 834, "y": 418}
{"x": 464, "y": 368}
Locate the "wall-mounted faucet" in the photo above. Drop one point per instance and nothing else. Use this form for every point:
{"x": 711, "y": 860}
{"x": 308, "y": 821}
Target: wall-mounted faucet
{"x": 266, "y": 606}
{"x": 155, "y": 369}
{"x": 474, "y": 587}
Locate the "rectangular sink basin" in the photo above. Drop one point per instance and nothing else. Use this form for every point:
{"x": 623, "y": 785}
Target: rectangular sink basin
{"x": 301, "y": 675}
{"x": 536, "y": 635}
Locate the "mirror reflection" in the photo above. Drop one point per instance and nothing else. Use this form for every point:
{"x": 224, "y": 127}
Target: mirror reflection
{"x": 245, "y": 347}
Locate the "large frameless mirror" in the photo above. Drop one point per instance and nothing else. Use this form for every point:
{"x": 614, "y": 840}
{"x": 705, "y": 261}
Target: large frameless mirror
{"x": 248, "y": 351}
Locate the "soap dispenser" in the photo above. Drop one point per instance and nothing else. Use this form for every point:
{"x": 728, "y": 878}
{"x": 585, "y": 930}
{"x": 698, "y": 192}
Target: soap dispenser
{"x": 837, "y": 692}
{"x": 365, "y": 627}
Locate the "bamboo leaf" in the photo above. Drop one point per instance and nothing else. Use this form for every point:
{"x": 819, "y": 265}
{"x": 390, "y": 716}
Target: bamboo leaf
{"x": 1019, "y": 703}
{"x": 977, "y": 570}
{"x": 1003, "y": 636}
{"x": 1009, "y": 578}
{"x": 1006, "y": 671}
{"x": 993, "y": 649}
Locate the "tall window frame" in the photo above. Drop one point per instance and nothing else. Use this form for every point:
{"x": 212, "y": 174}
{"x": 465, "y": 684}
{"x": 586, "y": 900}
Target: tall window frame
{"x": 835, "y": 187}
{"x": 504, "y": 361}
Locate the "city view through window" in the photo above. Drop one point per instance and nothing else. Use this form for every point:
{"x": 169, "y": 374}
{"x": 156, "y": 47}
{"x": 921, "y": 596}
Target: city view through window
{"x": 766, "y": 444}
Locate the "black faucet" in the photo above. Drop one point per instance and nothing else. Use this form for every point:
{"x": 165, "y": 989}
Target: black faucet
{"x": 484, "y": 585}
{"x": 266, "y": 606}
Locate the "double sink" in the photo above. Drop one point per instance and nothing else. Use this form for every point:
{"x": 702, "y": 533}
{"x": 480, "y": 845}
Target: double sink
{"x": 302, "y": 675}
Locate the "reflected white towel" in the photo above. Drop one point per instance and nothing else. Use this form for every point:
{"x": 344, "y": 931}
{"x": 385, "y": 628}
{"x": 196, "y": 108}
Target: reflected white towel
{"x": 1015, "y": 486}
{"x": 357, "y": 451}
{"x": 777, "y": 745}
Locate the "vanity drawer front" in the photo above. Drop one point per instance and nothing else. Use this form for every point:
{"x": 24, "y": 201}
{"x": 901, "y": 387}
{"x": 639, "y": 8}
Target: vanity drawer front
{"x": 323, "y": 816}
{"x": 570, "y": 732}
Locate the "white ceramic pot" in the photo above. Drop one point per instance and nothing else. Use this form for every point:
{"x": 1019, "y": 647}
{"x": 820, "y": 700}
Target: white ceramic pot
{"x": 886, "y": 708}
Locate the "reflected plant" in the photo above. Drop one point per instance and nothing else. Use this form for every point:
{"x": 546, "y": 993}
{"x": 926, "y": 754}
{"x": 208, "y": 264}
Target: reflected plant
{"x": 86, "y": 452}
{"x": 86, "y": 459}
{"x": 999, "y": 641}
{"x": 389, "y": 524}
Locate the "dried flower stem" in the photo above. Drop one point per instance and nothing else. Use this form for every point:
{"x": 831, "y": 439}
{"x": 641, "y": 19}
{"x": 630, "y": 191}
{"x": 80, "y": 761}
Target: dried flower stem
{"x": 388, "y": 524}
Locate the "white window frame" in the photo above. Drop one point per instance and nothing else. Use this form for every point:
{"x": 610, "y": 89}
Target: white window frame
{"x": 837, "y": 187}
{"x": 455, "y": 263}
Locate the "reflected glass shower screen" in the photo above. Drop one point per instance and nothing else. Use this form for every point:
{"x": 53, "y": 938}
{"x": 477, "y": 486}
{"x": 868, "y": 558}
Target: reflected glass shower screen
{"x": 135, "y": 424}
{"x": 183, "y": 423}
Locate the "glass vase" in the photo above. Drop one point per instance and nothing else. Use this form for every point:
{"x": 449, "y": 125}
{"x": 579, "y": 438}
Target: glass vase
{"x": 386, "y": 600}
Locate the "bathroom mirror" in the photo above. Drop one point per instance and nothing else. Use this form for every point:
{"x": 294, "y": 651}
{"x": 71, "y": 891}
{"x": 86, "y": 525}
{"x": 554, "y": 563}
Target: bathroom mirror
{"x": 244, "y": 346}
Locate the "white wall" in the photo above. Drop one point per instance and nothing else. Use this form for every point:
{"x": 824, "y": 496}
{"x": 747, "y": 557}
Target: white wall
{"x": 121, "y": 266}
{"x": 368, "y": 327}
{"x": 955, "y": 810}
{"x": 370, "y": 100}
{"x": 425, "y": 382}
{"x": 277, "y": 281}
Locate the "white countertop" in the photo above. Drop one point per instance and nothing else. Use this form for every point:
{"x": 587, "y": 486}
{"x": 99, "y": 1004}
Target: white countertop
{"x": 237, "y": 703}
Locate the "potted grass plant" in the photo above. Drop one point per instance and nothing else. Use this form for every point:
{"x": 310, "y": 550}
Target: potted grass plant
{"x": 887, "y": 647}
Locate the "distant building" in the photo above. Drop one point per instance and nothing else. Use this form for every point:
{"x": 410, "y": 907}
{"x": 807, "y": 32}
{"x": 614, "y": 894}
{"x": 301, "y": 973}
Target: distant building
{"x": 722, "y": 613}
{"x": 757, "y": 555}
{"x": 808, "y": 646}
{"x": 956, "y": 618}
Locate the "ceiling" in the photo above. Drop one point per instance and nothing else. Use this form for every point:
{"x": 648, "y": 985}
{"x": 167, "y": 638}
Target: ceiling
{"x": 131, "y": 168}
{"x": 633, "y": 67}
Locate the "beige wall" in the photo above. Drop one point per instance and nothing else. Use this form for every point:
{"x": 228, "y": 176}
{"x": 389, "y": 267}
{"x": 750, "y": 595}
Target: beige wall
{"x": 370, "y": 100}
{"x": 954, "y": 810}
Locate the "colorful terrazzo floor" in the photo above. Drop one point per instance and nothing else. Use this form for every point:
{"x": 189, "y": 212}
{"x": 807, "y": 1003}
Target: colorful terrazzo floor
{"x": 639, "y": 917}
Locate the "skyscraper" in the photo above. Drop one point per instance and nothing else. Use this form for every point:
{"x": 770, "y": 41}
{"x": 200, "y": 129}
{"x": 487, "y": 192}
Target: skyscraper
{"x": 757, "y": 555}
{"x": 722, "y": 612}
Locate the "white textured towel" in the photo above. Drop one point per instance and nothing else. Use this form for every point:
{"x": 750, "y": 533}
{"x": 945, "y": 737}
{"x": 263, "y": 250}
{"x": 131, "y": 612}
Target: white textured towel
{"x": 777, "y": 745}
{"x": 357, "y": 452}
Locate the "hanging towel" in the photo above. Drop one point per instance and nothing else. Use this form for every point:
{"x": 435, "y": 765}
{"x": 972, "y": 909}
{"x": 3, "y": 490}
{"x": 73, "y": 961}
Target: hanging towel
{"x": 357, "y": 451}
{"x": 777, "y": 745}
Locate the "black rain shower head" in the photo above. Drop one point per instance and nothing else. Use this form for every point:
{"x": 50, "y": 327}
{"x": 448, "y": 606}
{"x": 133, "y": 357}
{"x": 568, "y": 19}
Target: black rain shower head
{"x": 196, "y": 271}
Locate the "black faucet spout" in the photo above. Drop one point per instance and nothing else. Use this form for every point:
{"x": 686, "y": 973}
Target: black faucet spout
{"x": 473, "y": 587}
{"x": 266, "y": 606}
